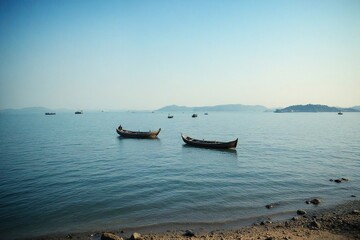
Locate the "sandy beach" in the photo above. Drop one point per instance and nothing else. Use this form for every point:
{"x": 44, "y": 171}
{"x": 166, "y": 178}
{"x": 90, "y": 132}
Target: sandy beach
{"x": 339, "y": 222}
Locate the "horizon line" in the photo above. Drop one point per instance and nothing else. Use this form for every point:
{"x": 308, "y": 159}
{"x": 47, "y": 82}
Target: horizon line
{"x": 149, "y": 110}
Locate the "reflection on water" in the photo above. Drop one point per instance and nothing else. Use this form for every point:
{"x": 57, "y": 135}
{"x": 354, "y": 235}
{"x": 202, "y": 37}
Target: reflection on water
{"x": 228, "y": 151}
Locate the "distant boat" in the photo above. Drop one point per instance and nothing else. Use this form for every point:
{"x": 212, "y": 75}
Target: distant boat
{"x": 170, "y": 116}
{"x": 137, "y": 134}
{"x": 208, "y": 144}
{"x": 194, "y": 115}
{"x": 50, "y": 113}
{"x": 79, "y": 112}
{"x": 206, "y": 114}
{"x": 340, "y": 113}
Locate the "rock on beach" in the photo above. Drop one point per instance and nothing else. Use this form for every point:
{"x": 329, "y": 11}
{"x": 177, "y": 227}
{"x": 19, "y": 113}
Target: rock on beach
{"x": 136, "y": 236}
{"x": 315, "y": 201}
{"x": 314, "y": 225}
{"x": 301, "y": 212}
{"x": 269, "y": 206}
{"x": 110, "y": 236}
{"x": 189, "y": 233}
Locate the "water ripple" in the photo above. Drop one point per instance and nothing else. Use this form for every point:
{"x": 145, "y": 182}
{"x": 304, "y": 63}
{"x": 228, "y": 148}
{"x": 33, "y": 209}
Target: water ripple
{"x": 68, "y": 173}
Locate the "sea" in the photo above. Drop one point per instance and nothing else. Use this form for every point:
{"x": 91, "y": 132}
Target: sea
{"x": 73, "y": 173}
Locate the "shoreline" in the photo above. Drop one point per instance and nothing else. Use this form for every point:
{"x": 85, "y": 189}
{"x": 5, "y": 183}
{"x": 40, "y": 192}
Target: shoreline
{"x": 341, "y": 221}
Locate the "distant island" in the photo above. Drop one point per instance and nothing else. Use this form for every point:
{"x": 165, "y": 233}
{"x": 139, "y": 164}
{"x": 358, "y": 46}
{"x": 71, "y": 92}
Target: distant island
{"x": 218, "y": 108}
{"x": 314, "y": 108}
{"x": 356, "y": 107}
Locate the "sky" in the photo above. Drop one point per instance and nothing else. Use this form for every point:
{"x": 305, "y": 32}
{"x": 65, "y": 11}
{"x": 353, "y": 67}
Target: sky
{"x": 144, "y": 55}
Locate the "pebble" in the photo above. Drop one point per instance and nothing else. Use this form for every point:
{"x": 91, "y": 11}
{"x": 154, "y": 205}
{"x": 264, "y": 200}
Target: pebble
{"x": 315, "y": 201}
{"x": 339, "y": 180}
{"x": 269, "y": 206}
{"x": 301, "y": 212}
{"x": 110, "y": 236}
{"x": 135, "y": 236}
{"x": 189, "y": 233}
{"x": 314, "y": 225}
{"x": 265, "y": 222}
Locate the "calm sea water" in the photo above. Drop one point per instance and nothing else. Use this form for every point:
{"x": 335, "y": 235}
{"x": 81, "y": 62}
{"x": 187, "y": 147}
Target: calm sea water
{"x": 69, "y": 173}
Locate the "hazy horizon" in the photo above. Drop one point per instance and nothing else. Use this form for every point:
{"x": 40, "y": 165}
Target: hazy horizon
{"x": 144, "y": 55}
{"x": 155, "y": 109}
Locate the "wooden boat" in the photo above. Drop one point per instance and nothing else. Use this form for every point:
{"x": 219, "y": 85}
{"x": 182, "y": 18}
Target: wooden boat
{"x": 208, "y": 144}
{"x": 137, "y": 134}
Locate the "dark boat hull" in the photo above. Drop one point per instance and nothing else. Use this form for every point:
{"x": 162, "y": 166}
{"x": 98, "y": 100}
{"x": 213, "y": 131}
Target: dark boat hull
{"x": 133, "y": 134}
{"x": 209, "y": 144}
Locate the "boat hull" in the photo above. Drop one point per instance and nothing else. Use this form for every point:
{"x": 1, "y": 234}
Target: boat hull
{"x": 138, "y": 134}
{"x": 208, "y": 144}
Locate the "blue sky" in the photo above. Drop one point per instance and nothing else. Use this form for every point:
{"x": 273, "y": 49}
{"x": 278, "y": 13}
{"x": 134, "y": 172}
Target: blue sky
{"x": 148, "y": 54}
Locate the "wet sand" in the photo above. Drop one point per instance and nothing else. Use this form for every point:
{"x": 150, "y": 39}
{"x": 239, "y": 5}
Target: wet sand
{"x": 340, "y": 222}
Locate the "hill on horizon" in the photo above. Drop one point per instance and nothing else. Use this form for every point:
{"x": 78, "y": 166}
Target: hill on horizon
{"x": 356, "y": 107}
{"x": 220, "y": 108}
{"x": 314, "y": 108}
